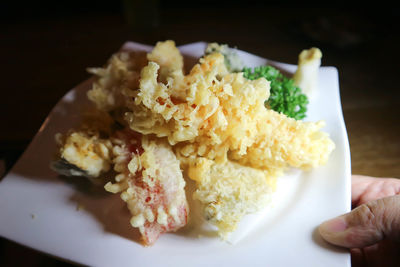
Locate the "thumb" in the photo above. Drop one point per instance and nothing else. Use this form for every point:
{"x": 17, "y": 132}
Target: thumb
{"x": 365, "y": 225}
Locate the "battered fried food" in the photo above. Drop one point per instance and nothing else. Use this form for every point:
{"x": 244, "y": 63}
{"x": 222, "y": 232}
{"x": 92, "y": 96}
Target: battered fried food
{"x": 210, "y": 124}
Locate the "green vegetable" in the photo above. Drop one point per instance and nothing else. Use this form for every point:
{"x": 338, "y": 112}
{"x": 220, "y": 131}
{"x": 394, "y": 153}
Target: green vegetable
{"x": 285, "y": 96}
{"x": 232, "y": 60}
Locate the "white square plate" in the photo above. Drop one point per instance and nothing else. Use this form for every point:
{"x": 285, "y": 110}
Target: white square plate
{"x": 63, "y": 218}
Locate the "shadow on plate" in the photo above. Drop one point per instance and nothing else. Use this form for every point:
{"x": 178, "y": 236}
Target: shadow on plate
{"x": 109, "y": 210}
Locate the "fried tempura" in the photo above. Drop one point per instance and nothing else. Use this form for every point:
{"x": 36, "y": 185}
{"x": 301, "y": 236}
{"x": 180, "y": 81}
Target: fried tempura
{"x": 211, "y": 123}
{"x": 220, "y": 116}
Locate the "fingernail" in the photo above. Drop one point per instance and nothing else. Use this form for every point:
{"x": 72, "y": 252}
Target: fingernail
{"x": 335, "y": 225}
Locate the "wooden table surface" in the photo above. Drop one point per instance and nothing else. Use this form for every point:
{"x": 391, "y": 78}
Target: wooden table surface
{"x": 44, "y": 52}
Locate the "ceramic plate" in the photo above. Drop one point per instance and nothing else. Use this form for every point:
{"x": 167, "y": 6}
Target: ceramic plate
{"x": 67, "y": 219}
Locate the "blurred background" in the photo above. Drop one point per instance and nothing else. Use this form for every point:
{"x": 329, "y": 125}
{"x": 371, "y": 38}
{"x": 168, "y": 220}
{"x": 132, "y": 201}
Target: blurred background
{"x": 45, "y": 47}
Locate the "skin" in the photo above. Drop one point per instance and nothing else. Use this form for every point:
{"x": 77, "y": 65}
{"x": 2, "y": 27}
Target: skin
{"x": 372, "y": 229}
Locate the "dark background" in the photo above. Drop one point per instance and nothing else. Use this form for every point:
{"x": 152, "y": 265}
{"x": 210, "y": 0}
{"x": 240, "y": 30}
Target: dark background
{"x": 46, "y": 46}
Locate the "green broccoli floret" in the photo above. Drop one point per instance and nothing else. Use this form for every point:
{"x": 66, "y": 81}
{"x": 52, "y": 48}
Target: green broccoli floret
{"x": 285, "y": 96}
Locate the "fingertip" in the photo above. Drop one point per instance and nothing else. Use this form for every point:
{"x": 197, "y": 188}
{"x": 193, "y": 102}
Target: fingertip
{"x": 337, "y": 224}
{"x": 331, "y": 230}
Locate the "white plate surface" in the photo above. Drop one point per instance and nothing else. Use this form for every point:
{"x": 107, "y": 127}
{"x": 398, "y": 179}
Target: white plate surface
{"x": 63, "y": 218}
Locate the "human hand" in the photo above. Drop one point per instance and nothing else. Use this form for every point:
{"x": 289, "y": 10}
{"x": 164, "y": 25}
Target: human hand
{"x": 372, "y": 229}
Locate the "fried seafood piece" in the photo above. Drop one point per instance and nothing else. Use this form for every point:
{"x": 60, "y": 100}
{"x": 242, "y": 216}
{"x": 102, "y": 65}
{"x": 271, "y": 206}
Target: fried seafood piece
{"x": 85, "y": 150}
{"x": 151, "y": 183}
{"x": 82, "y": 154}
{"x": 283, "y": 142}
{"x": 228, "y": 191}
{"x": 122, "y": 72}
{"x": 169, "y": 58}
{"x": 117, "y": 83}
{"x": 178, "y": 110}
